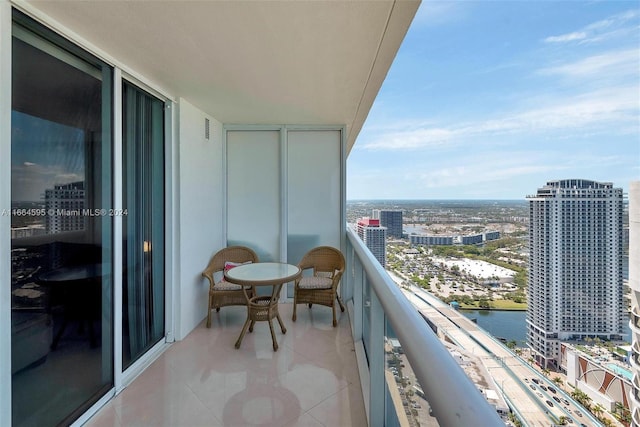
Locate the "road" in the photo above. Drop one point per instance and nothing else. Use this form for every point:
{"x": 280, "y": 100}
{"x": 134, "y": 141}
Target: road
{"x": 534, "y": 403}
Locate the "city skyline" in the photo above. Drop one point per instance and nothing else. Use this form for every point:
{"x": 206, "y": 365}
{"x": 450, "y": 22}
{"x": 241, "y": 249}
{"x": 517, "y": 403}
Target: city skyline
{"x": 486, "y": 100}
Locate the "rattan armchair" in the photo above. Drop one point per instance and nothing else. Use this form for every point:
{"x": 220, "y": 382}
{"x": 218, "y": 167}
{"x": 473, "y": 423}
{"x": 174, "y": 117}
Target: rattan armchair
{"x": 221, "y": 292}
{"x": 328, "y": 265}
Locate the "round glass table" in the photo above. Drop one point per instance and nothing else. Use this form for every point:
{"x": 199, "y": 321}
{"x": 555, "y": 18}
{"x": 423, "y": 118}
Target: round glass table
{"x": 262, "y": 308}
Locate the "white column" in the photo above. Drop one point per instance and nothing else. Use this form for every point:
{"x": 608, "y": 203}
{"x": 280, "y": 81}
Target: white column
{"x": 634, "y": 285}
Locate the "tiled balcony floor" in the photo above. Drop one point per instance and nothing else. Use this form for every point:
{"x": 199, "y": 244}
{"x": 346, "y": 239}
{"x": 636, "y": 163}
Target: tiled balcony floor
{"x": 312, "y": 380}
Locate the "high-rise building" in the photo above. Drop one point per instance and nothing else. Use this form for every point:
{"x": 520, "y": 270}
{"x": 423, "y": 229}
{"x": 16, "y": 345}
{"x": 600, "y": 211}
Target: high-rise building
{"x": 575, "y": 265}
{"x": 374, "y": 237}
{"x": 634, "y": 285}
{"x": 64, "y": 205}
{"x": 392, "y": 219}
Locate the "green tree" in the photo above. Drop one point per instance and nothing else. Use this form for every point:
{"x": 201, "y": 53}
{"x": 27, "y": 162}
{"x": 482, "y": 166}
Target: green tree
{"x": 597, "y": 410}
{"x": 622, "y": 414}
{"x": 520, "y": 279}
{"x": 484, "y": 303}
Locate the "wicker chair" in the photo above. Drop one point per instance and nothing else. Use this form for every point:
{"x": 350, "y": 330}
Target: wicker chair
{"x": 328, "y": 265}
{"x": 223, "y": 293}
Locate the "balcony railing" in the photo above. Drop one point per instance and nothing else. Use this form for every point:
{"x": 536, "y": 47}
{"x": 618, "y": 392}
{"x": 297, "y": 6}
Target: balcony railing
{"x": 381, "y": 314}
{"x": 636, "y": 391}
{"x": 634, "y": 323}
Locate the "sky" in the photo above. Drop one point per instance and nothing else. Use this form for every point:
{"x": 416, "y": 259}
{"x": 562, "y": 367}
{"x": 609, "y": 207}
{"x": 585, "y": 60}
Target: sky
{"x": 492, "y": 99}
{"x": 43, "y": 154}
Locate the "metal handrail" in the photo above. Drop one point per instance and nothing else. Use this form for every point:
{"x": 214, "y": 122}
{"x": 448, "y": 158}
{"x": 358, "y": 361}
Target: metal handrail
{"x": 453, "y": 397}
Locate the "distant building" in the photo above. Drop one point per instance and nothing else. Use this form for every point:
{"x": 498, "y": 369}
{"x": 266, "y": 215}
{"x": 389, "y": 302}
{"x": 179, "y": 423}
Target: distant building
{"x": 27, "y": 231}
{"x": 472, "y": 240}
{"x": 606, "y": 381}
{"x": 64, "y": 205}
{"x": 575, "y": 266}
{"x": 430, "y": 240}
{"x": 391, "y": 219}
{"x": 491, "y": 235}
{"x": 374, "y": 237}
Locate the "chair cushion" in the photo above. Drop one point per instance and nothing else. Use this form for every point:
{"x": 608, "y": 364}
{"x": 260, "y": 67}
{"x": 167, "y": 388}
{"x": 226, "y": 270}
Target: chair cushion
{"x": 223, "y": 285}
{"x": 228, "y": 265}
{"x": 315, "y": 282}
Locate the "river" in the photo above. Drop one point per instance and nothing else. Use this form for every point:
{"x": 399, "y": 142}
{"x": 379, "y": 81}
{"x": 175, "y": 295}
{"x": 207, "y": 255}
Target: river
{"x": 510, "y": 325}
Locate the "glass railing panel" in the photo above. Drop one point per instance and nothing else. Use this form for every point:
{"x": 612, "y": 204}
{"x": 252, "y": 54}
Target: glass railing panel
{"x": 636, "y": 319}
{"x": 405, "y": 400}
{"x": 406, "y": 403}
{"x": 366, "y": 317}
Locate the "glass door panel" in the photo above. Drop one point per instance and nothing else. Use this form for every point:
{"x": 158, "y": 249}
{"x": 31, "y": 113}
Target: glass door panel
{"x": 313, "y": 192}
{"x": 143, "y": 223}
{"x": 253, "y": 191}
{"x": 61, "y": 233}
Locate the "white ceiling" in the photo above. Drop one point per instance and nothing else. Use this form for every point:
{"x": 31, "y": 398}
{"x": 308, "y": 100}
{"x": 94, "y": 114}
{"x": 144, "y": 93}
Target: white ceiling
{"x": 251, "y": 62}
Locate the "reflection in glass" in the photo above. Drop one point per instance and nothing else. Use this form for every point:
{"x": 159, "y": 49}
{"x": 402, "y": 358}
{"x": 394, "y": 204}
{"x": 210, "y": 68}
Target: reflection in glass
{"x": 61, "y": 290}
{"x": 405, "y": 401}
{"x": 143, "y": 223}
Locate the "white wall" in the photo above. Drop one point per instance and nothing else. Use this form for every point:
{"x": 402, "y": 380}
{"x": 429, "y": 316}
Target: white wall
{"x": 200, "y": 213}
{"x": 634, "y": 264}
{"x": 634, "y": 240}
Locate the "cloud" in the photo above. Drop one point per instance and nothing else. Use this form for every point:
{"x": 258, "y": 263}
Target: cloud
{"x": 597, "y": 31}
{"x": 566, "y": 37}
{"x": 609, "y": 110}
{"x": 621, "y": 63}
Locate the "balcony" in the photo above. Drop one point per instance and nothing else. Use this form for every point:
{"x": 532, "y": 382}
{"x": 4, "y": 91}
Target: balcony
{"x": 203, "y": 380}
{"x": 319, "y": 376}
{"x": 636, "y": 389}
{"x": 634, "y": 323}
{"x": 635, "y": 355}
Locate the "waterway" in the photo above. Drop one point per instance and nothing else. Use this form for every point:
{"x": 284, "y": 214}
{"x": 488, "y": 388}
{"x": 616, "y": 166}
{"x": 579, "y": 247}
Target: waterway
{"x": 510, "y": 325}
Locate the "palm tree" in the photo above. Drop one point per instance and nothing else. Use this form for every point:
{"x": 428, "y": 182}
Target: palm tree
{"x": 576, "y": 394}
{"x": 622, "y": 413}
{"x": 581, "y": 397}
{"x": 607, "y": 422}
{"x": 597, "y": 410}
{"x": 546, "y": 372}
{"x": 558, "y": 380}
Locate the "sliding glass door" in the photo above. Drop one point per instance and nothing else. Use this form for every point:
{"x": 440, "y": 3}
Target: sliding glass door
{"x": 143, "y": 223}
{"x": 61, "y": 234}
{"x": 63, "y": 303}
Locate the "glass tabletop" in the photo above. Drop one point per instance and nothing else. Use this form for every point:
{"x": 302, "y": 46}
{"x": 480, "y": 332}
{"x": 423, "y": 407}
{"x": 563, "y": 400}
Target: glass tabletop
{"x": 262, "y": 273}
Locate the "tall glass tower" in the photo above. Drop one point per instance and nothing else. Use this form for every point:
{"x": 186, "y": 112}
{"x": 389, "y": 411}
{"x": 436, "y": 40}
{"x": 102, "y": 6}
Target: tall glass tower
{"x": 575, "y": 266}
{"x": 374, "y": 237}
{"x": 391, "y": 219}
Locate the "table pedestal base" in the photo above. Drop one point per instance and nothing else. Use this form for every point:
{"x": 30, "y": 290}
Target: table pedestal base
{"x": 262, "y": 309}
